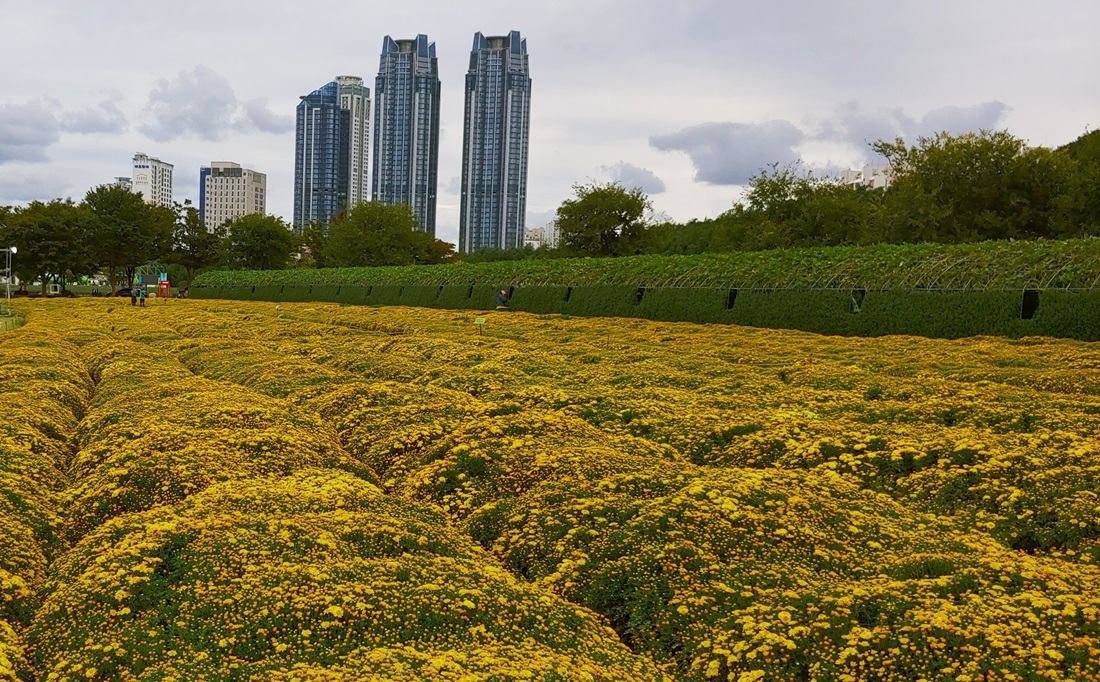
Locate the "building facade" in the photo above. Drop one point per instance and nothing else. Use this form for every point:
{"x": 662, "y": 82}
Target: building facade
{"x": 227, "y": 191}
{"x": 331, "y": 174}
{"x": 152, "y": 179}
{"x": 875, "y": 177}
{"x": 494, "y": 144}
{"x": 406, "y": 128}
{"x": 538, "y": 237}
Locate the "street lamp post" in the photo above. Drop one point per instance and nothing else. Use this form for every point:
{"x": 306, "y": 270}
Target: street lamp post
{"x": 11, "y": 250}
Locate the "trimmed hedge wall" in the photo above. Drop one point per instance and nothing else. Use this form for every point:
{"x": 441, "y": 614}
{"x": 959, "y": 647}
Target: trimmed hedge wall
{"x": 932, "y": 313}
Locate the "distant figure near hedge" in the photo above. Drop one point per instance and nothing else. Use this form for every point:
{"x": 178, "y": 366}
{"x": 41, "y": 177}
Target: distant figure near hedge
{"x": 502, "y": 298}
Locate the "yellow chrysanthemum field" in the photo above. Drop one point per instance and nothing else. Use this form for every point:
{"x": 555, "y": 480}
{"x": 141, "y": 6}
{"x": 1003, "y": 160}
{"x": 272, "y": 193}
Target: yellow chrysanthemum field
{"x": 212, "y": 490}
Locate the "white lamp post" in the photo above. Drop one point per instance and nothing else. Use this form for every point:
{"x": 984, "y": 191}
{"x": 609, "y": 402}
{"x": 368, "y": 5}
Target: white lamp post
{"x": 11, "y": 250}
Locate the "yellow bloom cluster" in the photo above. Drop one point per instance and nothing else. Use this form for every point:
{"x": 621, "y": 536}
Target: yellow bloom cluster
{"x": 320, "y": 492}
{"x": 155, "y": 433}
{"x": 264, "y": 574}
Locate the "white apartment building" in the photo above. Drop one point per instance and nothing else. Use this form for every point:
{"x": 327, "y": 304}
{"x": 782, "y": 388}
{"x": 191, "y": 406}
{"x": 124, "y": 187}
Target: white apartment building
{"x": 547, "y": 235}
{"x": 871, "y": 176}
{"x": 152, "y": 179}
{"x": 227, "y": 191}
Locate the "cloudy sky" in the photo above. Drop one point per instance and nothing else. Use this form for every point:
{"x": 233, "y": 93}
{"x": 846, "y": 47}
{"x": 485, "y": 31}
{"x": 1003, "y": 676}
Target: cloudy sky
{"x": 684, "y": 98}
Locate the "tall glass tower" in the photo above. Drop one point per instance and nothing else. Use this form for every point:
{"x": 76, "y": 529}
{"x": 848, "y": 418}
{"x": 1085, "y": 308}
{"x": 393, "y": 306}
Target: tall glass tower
{"x": 406, "y": 128}
{"x": 330, "y": 159}
{"x": 494, "y": 144}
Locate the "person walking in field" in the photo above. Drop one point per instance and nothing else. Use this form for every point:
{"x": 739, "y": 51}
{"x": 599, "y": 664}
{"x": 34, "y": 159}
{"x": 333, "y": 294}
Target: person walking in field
{"x": 133, "y": 296}
{"x": 141, "y": 296}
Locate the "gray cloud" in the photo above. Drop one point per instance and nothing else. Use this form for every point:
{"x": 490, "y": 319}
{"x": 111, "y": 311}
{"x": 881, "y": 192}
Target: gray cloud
{"x": 860, "y": 127}
{"x": 202, "y": 103}
{"x": 104, "y": 118}
{"x": 264, "y": 120}
{"x": 23, "y": 188}
{"x": 631, "y": 176}
{"x": 26, "y": 130}
{"x": 731, "y": 153}
{"x": 984, "y": 116}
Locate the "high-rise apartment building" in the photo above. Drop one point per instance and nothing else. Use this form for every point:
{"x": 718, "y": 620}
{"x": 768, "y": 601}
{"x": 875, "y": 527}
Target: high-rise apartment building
{"x": 227, "y": 191}
{"x": 494, "y": 144}
{"x": 406, "y": 128}
{"x": 152, "y": 179}
{"x": 330, "y": 161}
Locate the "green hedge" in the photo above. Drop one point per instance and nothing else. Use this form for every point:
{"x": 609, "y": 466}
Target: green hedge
{"x": 993, "y": 265}
{"x": 857, "y": 312}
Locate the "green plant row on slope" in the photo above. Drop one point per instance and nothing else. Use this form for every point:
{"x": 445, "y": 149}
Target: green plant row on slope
{"x": 994, "y": 265}
{"x": 854, "y": 312}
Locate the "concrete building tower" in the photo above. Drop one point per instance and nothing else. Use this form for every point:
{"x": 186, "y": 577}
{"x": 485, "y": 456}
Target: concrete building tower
{"x": 331, "y": 174}
{"x": 227, "y": 191}
{"x": 406, "y": 128}
{"x": 152, "y": 179}
{"x": 494, "y": 144}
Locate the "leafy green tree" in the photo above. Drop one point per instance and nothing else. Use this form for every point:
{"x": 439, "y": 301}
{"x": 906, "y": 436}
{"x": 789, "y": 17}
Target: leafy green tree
{"x": 603, "y": 220}
{"x": 972, "y": 187}
{"x": 258, "y": 242}
{"x": 1083, "y": 201}
{"x": 315, "y": 241}
{"x": 193, "y": 246}
{"x": 798, "y": 209}
{"x": 126, "y": 231}
{"x": 432, "y": 251}
{"x": 375, "y": 234}
{"x": 52, "y": 240}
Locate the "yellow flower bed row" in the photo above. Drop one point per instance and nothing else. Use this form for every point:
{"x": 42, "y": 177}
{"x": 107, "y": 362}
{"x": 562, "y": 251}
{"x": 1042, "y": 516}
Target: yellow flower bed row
{"x": 737, "y": 504}
{"x": 156, "y": 433}
{"x": 43, "y": 391}
{"x": 264, "y": 574}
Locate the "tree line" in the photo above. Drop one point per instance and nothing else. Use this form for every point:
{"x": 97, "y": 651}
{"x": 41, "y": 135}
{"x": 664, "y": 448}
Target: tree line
{"x": 113, "y": 231}
{"x": 943, "y": 189}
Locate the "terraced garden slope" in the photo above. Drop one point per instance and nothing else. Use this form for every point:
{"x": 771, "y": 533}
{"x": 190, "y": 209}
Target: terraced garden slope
{"x": 211, "y": 490}
{"x": 1004, "y": 288}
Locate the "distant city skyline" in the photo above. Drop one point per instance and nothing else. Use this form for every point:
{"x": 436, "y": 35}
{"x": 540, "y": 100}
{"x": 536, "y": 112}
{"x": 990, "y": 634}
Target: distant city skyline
{"x": 685, "y": 100}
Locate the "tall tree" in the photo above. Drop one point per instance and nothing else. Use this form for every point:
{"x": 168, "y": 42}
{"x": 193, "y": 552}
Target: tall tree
{"x": 603, "y": 220}
{"x": 1083, "y": 204}
{"x": 258, "y": 242}
{"x": 374, "y": 234}
{"x": 971, "y": 187}
{"x": 193, "y": 246}
{"x": 127, "y": 232}
{"x": 52, "y": 241}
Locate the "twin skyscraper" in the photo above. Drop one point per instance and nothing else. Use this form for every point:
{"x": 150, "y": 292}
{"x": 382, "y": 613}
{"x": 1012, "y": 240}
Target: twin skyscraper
{"x": 334, "y": 151}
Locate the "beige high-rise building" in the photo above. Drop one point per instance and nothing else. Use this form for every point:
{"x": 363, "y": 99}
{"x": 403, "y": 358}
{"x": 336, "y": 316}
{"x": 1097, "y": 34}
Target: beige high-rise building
{"x": 152, "y": 179}
{"x": 228, "y": 191}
